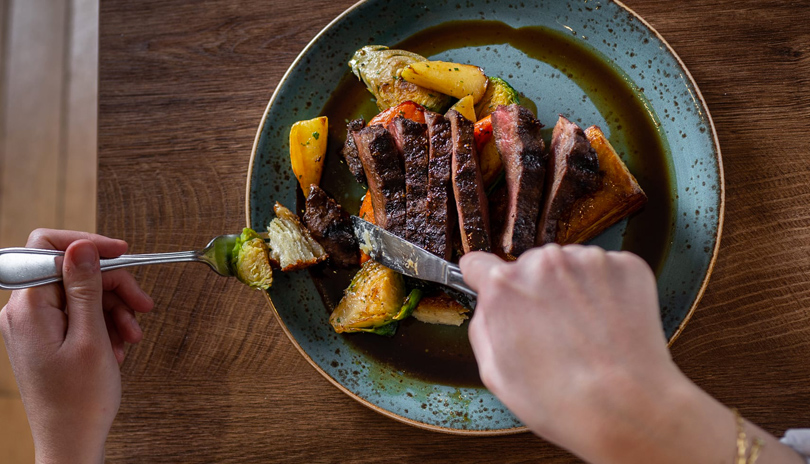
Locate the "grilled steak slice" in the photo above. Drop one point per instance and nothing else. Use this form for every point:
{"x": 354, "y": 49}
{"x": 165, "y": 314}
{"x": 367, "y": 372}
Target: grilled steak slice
{"x": 441, "y": 213}
{"x": 332, "y": 227}
{"x": 468, "y": 186}
{"x": 349, "y": 150}
{"x": 573, "y": 173}
{"x": 411, "y": 140}
{"x": 385, "y": 176}
{"x": 517, "y": 136}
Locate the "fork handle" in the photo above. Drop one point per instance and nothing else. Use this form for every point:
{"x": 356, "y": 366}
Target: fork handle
{"x": 30, "y": 267}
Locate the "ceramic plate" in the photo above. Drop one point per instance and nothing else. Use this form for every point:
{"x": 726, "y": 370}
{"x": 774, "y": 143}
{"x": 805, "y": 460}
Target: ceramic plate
{"x": 596, "y": 63}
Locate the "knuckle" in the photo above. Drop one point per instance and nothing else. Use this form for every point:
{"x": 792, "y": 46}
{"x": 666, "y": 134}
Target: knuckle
{"x": 85, "y": 293}
{"x": 37, "y": 236}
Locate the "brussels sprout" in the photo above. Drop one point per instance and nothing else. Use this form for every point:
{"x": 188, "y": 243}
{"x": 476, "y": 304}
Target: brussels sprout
{"x": 380, "y": 69}
{"x": 499, "y": 92}
{"x": 250, "y": 261}
{"x": 373, "y": 299}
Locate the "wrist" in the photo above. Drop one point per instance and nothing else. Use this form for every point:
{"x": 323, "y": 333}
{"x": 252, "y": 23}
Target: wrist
{"x": 663, "y": 420}
{"x": 68, "y": 444}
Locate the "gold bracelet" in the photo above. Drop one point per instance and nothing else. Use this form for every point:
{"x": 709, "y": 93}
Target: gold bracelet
{"x": 744, "y": 455}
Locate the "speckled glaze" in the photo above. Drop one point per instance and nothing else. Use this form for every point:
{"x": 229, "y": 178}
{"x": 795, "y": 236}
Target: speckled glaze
{"x": 625, "y": 40}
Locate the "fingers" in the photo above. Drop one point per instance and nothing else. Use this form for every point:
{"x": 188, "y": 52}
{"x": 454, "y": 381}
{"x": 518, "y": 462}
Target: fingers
{"x": 475, "y": 268}
{"x": 123, "y": 316}
{"x": 124, "y": 285}
{"x": 82, "y": 280}
{"x": 116, "y": 341}
{"x": 52, "y": 239}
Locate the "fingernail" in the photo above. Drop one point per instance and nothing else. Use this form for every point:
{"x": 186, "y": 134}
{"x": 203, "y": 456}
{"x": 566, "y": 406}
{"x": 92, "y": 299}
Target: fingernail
{"x": 85, "y": 256}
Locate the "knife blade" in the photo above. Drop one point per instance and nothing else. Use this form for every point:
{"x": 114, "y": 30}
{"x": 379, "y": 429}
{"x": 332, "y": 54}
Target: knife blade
{"x": 406, "y": 258}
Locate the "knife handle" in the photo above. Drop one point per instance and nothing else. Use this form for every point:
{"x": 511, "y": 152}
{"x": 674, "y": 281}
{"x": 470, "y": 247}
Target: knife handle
{"x": 456, "y": 280}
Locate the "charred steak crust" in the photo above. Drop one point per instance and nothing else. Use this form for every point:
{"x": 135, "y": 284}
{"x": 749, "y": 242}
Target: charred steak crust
{"x": 468, "y": 186}
{"x": 385, "y": 176}
{"x": 441, "y": 213}
{"x": 332, "y": 227}
{"x": 520, "y": 144}
{"x": 349, "y": 150}
{"x": 573, "y": 172}
{"x": 411, "y": 140}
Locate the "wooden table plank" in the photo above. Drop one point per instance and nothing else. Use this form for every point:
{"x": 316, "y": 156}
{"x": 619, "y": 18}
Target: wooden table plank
{"x": 183, "y": 87}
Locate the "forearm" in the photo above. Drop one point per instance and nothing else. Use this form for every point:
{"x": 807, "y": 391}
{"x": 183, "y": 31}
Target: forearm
{"x": 682, "y": 423}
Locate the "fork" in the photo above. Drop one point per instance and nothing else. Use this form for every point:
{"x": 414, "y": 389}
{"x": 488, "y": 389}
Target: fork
{"x": 29, "y": 267}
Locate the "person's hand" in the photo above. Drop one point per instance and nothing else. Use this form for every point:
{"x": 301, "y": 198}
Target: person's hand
{"x": 66, "y": 341}
{"x": 571, "y": 341}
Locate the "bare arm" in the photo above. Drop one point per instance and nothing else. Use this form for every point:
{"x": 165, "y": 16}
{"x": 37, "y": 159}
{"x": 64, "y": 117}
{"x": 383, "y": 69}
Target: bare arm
{"x": 570, "y": 339}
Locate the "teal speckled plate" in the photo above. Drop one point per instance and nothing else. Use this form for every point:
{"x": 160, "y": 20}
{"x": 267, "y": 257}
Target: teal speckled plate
{"x": 596, "y": 62}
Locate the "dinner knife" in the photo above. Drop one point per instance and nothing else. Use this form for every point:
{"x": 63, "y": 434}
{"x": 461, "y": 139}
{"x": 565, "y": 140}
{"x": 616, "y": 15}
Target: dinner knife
{"x": 406, "y": 258}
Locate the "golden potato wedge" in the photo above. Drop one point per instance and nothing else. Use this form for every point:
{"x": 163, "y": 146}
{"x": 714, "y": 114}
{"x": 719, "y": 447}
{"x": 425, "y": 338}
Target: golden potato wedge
{"x": 441, "y": 309}
{"x": 618, "y": 197}
{"x": 466, "y": 107}
{"x": 308, "y": 150}
{"x": 454, "y": 79}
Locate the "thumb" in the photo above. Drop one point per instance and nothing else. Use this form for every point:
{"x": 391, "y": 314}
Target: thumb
{"x": 81, "y": 276}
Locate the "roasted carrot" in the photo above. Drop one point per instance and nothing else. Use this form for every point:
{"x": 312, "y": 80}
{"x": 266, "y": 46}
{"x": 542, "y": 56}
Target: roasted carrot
{"x": 408, "y": 110}
{"x": 483, "y": 132}
{"x": 367, "y": 213}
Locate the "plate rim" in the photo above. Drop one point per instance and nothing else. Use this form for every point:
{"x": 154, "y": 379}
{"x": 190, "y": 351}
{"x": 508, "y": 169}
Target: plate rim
{"x": 512, "y": 430}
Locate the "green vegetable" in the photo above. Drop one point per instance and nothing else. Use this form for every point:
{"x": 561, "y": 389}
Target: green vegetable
{"x": 380, "y": 69}
{"x": 374, "y": 298}
{"x": 499, "y": 92}
{"x": 250, "y": 261}
{"x": 409, "y": 305}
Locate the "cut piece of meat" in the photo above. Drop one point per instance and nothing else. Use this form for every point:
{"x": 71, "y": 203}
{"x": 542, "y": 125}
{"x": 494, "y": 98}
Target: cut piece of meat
{"x": 573, "y": 173}
{"x": 411, "y": 140}
{"x": 385, "y": 176}
{"x": 520, "y": 144}
{"x": 618, "y": 196}
{"x": 349, "y": 150}
{"x": 468, "y": 186}
{"x": 498, "y": 207}
{"x": 441, "y": 216}
{"x": 332, "y": 227}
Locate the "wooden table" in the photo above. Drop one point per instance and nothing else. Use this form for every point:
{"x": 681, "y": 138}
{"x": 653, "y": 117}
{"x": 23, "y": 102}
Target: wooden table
{"x": 182, "y": 89}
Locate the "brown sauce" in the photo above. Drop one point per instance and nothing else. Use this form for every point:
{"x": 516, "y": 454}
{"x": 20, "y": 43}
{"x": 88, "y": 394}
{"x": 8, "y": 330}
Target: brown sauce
{"x": 441, "y": 354}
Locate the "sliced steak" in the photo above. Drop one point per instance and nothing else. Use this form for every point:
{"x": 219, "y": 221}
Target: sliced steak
{"x": 332, "y": 227}
{"x": 411, "y": 140}
{"x": 441, "y": 213}
{"x": 518, "y": 139}
{"x": 498, "y": 208}
{"x": 349, "y": 150}
{"x": 573, "y": 173}
{"x": 385, "y": 176}
{"x": 468, "y": 186}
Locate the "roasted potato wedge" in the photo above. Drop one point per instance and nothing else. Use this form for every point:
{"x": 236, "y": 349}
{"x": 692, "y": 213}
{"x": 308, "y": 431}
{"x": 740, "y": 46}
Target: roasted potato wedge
{"x": 454, "y": 79}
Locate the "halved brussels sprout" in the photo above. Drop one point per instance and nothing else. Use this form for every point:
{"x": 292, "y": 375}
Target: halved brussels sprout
{"x": 499, "y": 92}
{"x": 373, "y": 298}
{"x": 380, "y": 69}
{"x": 250, "y": 260}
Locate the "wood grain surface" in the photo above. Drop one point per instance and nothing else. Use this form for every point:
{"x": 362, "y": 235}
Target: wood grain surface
{"x": 182, "y": 89}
